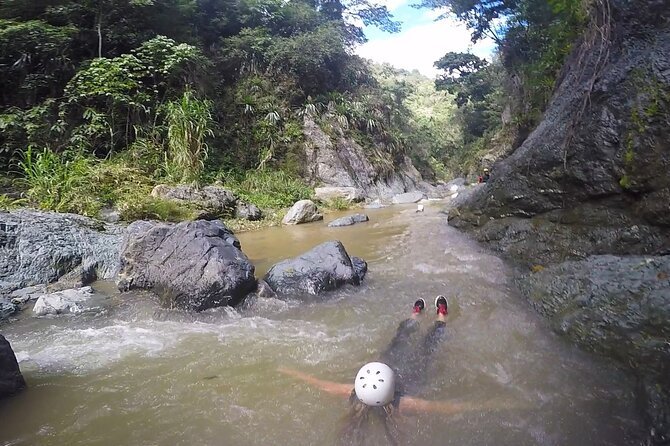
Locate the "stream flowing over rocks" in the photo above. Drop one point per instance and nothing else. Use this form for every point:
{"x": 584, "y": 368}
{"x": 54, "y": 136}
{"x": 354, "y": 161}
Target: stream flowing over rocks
{"x": 590, "y": 183}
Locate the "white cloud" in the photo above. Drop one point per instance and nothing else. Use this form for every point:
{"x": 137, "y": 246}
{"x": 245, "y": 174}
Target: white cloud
{"x": 419, "y": 47}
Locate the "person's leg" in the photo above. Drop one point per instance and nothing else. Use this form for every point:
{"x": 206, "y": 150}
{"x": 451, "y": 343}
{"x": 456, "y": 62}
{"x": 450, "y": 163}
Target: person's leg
{"x": 406, "y": 328}
{"x": 438, "y": 331}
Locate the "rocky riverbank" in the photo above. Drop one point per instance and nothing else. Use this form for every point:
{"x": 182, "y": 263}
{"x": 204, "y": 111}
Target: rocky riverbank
{"x": 584, "y": 202}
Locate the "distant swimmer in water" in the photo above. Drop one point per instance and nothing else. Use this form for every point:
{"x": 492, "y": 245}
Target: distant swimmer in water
{"x": 381, "y": 389}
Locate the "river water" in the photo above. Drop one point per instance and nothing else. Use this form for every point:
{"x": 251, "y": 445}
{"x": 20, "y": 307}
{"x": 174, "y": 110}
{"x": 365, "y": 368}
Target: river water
{"x": 132, "y": 374}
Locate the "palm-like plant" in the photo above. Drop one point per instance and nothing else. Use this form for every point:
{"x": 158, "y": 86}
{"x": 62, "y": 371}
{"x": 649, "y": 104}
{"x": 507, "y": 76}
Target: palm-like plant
{"x": 189, "y": 124}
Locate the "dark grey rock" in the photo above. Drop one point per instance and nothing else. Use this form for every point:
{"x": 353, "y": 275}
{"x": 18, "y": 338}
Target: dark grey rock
{"x": 191, "y": 265}
{"x": 348, "y": 220}
{"x": 11, "y": 380}
{"x": 265, "y": 290}
{"x": 324, "y": 268}
{"x": 109, "y": 215}
{"x": 360, "y": 267}
{"x": 248, "y": 211}
{"x": 42, "y": 247}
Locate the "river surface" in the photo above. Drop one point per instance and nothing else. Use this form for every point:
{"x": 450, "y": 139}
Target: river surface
{"x": 132, "y": 374}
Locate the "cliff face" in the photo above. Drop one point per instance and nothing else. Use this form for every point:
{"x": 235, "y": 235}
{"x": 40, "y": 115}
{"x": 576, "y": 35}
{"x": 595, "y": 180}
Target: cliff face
{"x": 339, "y": 161}
{"x": 588, "y": 188}
{"x": 602, "y": 152}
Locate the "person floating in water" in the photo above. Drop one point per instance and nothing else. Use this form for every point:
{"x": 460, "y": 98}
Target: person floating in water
{"x": 484, "y": 178}
{"x": 383, "y": 388}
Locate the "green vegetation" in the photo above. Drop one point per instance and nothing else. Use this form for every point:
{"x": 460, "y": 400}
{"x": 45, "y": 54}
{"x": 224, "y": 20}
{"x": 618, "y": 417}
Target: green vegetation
{"x": 500, "y": 101}
{"x": 102, "y": 100}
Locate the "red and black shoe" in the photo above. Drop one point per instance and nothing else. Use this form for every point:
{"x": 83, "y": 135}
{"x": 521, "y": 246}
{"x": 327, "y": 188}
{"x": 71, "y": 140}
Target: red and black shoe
{"x": 419, "y": 305}
{"x": 441, "y": 305}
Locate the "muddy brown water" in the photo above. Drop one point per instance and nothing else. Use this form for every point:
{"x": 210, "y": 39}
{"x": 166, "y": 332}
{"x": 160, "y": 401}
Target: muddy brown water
{"x": 132, "y": 374}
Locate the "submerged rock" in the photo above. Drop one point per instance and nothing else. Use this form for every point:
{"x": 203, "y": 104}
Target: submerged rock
{"x": 303, "y": 211}
{"x": 11, "y": 380}
{"x": 61, "y": 302}
{"x": 42, "y": 247}
{"x": 324, "y": 268}
{"x": 348, "y": 220}
{"x": 191, "y": 265}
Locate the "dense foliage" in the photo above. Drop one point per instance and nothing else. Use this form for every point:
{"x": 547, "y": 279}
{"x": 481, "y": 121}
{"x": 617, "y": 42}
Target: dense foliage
{"x": 194, "y": 91}
{"x": 508, "y": 94}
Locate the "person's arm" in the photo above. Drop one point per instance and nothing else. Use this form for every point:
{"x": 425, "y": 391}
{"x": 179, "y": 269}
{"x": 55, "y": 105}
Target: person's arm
{"x": 410, "y": 405}
{"x": 330, "y": 387}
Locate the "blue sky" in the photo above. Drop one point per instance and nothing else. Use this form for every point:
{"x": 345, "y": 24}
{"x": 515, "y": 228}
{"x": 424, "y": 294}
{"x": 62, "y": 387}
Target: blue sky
{"x": 422, "y": 40}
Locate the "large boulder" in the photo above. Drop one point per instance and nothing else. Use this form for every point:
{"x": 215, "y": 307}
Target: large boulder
{"x": 248, "y": 211}
{"x": 209, "y": 202}
{"x": 212, "y": 201}
{"x": 11, "y": 380}
{"x": 303, "y": 211}
{"x": 324, "y": 268}
{"x": 42, "y": 247}
{"x": 191, "y": 265}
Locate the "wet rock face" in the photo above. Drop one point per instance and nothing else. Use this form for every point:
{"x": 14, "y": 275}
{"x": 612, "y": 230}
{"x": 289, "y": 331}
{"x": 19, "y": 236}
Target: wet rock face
{"x": 11, "y": 380}
{"x": 324, "y": 268}
{"x": 617, "y": 306}
{"x": 616, "y": 153}
{"x": 192, "y": 265}
{"x": 42, "y": 247}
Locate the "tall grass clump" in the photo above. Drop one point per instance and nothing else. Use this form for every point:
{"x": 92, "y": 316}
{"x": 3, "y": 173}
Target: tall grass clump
{"x": 58, "y": 182}
{"x": 189, "y": 122}
{"x": 268, "y": 189}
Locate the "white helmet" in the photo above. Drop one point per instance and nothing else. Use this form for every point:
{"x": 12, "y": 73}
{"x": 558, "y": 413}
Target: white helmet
{"x": 375, "y": 384}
